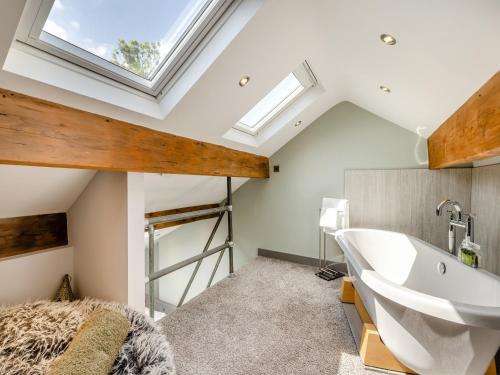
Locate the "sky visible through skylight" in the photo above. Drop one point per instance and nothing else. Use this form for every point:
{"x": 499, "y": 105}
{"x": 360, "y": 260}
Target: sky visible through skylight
{"x": 273, "y": 99}
{"x": 97, "y": 25}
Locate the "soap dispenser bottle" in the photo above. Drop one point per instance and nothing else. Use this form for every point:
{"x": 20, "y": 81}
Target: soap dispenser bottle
{"x": 470, "y": 253}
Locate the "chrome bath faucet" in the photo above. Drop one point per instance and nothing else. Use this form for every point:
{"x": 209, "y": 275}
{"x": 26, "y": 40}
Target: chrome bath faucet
{"x": 455, "y": 219}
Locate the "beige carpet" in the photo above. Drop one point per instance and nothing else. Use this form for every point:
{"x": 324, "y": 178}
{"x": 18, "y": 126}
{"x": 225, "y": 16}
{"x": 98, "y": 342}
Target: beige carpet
{"x": 274, "y": 317}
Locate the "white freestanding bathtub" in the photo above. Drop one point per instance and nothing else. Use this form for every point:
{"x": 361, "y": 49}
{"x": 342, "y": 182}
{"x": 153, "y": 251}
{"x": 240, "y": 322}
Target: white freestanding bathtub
{"x": 435, "y": 314}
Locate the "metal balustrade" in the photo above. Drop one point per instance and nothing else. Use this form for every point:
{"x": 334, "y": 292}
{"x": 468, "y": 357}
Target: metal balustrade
{"x": 198, "y": 259}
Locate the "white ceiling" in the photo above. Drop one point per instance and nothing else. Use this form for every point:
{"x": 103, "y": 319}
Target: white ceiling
{"x": 28, "y": 191}
{"x": 446, "y": 50}
{"x": 163, "y": 192}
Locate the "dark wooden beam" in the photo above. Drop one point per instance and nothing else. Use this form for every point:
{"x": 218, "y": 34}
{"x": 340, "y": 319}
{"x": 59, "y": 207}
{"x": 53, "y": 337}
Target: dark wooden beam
{"x": 38, "y": 132}
{"x": 472, "y": 133}
{"x": 22, "y": 235}
{"x": 180, "y": 211}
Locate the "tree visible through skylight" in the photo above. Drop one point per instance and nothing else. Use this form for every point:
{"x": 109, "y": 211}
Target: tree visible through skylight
{"x": 136, "y": 35}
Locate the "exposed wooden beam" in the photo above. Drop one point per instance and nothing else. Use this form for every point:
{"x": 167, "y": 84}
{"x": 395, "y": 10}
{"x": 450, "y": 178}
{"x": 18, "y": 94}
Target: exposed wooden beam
{"x": 472, "y": 132}
{"x": 21, "y": 235}
{"x": 180, "y": 211}
{"x": 38, "y": 132}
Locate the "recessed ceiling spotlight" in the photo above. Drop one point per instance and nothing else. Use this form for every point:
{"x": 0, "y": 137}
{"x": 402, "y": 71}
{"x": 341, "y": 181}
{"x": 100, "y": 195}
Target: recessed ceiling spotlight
{"x": 244, "y": 80}
{"x": 298, "y": 123}
{"x": 385, "y": 89}
{"x": 388, "y": 39}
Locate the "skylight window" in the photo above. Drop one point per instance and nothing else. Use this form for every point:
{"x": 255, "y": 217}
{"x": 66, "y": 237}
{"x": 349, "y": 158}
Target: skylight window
{"x": 138, "y": 43}
{"x": 280, "y": 97}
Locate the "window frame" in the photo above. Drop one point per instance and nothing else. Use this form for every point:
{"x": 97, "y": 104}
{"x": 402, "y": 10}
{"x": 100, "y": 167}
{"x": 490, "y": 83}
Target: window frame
{"x": 306, "y": 78}
{"x": 212, "y": 15}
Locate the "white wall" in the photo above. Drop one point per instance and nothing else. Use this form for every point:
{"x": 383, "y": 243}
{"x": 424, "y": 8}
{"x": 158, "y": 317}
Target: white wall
{"x": 184, "y": 242}
{"x": 34, "y": 276}
{"x": 24, "y": 191}
{"x": 135, "y": 232}
{"x": 104, "y": 226}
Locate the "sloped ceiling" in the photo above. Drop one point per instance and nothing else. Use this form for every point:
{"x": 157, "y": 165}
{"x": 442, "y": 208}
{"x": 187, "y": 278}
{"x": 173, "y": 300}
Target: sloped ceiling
{"x": 445, "y": 51}
{"x": 163, "y": 192}
{"x": 28, "y": 191}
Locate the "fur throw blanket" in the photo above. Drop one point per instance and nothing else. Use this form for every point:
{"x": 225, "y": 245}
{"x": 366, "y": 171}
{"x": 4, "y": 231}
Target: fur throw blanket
{"x": 33, "y": 335}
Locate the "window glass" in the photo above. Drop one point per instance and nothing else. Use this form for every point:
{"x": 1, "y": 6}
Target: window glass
{"x": 286, "y": 88}
{"x": 136, "y": 35}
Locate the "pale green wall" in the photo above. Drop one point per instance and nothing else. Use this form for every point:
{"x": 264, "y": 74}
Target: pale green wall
{"x": 281, "y": 213}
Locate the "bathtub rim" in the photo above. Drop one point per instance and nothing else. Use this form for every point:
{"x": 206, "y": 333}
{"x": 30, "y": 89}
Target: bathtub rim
{"x": 457, "y": 312}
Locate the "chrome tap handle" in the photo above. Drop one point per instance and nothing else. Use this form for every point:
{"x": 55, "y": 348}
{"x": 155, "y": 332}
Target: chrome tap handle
{"x": 470, "y": 226}
{"x": 452, "y": 203}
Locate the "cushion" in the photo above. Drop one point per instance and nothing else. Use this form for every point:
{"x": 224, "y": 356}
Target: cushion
{"x": 95, "y": 346}
{"x": 34, "y": 335}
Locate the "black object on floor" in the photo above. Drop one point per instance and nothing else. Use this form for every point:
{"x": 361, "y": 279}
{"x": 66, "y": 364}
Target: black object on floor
{"x": 328, "y": 274}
